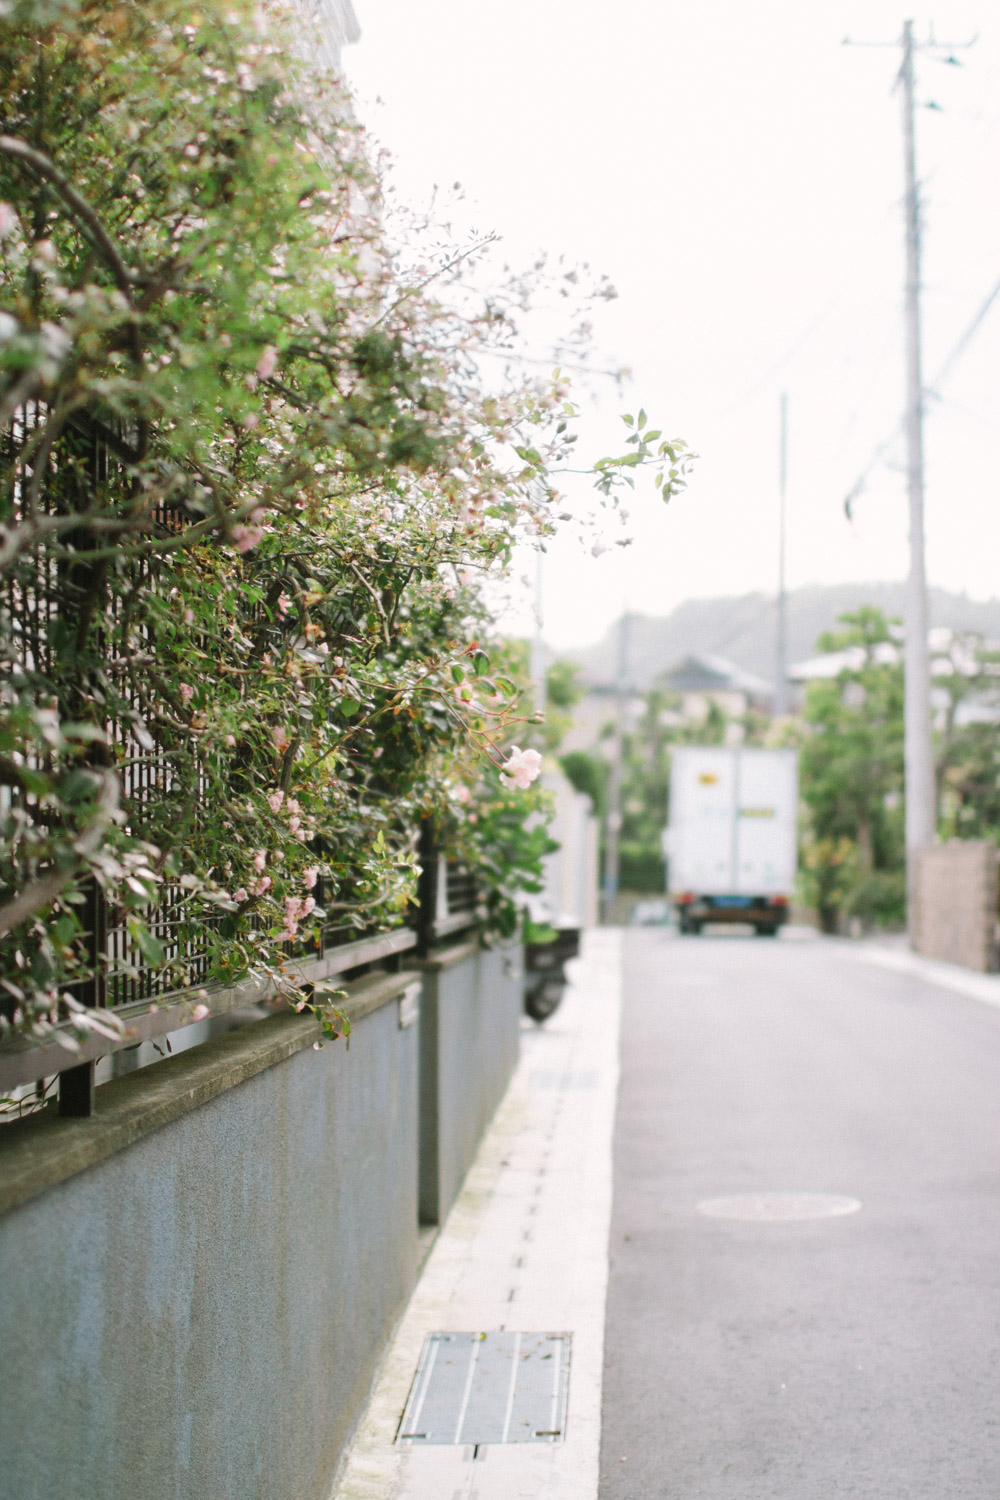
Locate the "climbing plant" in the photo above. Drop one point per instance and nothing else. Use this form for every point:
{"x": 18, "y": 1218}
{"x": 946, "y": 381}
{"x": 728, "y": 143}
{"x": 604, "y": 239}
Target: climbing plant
{"x": 252, "y": 480}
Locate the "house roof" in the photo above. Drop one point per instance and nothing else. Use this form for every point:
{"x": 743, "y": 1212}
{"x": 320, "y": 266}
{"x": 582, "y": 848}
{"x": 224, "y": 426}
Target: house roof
{"x": 708, "y": 674}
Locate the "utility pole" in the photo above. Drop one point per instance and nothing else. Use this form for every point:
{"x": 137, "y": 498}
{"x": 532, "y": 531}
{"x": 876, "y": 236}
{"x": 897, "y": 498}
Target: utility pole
{"x": 918, "y": 753}
{"x": 613, "y": 821}
{"x": 917, "y": 743}
{"x": 781, "y": 685}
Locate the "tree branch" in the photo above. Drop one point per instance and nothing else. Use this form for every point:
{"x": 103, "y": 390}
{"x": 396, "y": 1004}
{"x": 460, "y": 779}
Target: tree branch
{"x": 47, "y": 169}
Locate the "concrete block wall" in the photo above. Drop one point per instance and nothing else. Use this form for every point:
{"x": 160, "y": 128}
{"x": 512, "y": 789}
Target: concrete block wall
{"x": 470, "y": 1027}
{"x": 956, "y": 896}
{"x": 200, "y": 1313}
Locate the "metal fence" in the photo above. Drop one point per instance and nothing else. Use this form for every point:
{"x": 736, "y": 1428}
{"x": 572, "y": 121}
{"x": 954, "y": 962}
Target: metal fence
{"x": 48, "y": 478}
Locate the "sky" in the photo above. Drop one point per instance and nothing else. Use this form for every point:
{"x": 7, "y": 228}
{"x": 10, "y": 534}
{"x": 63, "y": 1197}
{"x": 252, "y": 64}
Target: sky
{"x": 737, "y": 172}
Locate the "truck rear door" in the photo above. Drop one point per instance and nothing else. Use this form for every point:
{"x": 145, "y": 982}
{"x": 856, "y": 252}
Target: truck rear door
{"x": 702, "y": 800}
{"x": 766, "y": 806}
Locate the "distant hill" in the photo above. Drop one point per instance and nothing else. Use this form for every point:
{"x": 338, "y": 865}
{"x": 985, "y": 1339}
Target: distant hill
{"x": 743, "y": 629}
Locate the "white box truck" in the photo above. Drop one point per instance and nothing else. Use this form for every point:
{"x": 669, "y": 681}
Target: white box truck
{"x": 731, "y": 840}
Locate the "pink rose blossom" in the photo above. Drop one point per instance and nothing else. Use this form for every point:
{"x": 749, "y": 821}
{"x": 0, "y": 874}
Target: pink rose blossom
{"x": 284, "y": 604}
{"x": 281, "y": 739}
{"x": 258, "y": 887}
{"x": 309, "y": 876}
{"x": 247, "y": 537}
{"x": 268, "y": 362}
{"x": 259, "y": 861}
{"x": 240, "y": 896}
{"x": 199, "y": 1013}
{"x": 230, "y": 740}
{"x": 294, "y": 824}
{"x": 275, "y": 800}
{"x": 308, "y": 906}
{"x": 521, "y": 767}
{"x": 187, "y": 692}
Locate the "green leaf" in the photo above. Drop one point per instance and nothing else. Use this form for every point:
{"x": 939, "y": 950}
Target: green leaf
{"x": 149, "y": 947}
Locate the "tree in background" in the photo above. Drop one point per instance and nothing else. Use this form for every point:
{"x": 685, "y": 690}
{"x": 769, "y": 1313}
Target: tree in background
{"x": 967, "y": 676}
{"x": 851, "y": 769}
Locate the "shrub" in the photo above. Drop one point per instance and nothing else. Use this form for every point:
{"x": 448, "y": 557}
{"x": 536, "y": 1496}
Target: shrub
{"x": 251, "y": 478}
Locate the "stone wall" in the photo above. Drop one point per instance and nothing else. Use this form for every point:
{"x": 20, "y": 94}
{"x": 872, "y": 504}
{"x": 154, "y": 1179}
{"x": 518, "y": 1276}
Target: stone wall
{"x": 470, "y": 1028}
{"x": 200, "y": 1314}
{"x": 955, "y": 916}
{"x": 199, "y": 1279}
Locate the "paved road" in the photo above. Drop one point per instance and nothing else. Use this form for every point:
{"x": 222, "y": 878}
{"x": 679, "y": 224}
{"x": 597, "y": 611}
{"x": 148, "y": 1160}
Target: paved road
{"x": 856, "y": 1355}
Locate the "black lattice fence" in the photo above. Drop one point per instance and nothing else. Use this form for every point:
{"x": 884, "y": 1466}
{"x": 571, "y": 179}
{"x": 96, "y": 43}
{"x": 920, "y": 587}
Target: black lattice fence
{"x": 54, "y": 598}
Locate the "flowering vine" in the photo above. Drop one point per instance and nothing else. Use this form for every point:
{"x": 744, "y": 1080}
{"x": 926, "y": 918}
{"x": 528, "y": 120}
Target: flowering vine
{"x": 251, "y": 482}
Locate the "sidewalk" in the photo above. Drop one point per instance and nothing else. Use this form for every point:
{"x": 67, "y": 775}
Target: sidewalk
{"x": 524, "y": 1251}
{"x": 895, "y": 955}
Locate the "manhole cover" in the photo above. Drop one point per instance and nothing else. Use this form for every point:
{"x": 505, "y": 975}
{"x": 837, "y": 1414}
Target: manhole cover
{"x": 483, "y": 1388}
{"x": 762, "y": 1207}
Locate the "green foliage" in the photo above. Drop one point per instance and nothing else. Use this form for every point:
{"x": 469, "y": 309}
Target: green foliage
{"x": 641, "y": 869}
{"x": 588, "y": 774}
{"x": 968, "y": 754}
{"x": 851, "y": 769}
{"x": 562, "y": 690}
{"x": 251, "y": 478}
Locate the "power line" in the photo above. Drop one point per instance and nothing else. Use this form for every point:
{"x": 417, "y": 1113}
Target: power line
{"x": 931, "y": 390}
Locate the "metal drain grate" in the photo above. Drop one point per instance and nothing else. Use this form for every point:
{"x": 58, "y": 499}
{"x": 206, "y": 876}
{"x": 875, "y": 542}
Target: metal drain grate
{"x": 489, "y": 1388}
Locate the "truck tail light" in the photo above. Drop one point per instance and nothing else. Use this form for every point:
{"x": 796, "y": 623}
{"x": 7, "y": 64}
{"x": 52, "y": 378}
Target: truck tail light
{"x": 685, "y": 898}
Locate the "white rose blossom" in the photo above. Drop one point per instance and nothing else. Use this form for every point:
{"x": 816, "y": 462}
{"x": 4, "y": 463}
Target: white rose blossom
{"x": 521, "y": 767}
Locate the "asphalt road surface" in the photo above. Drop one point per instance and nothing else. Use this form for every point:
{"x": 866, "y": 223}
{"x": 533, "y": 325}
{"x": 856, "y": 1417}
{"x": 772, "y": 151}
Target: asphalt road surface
{"x": 762, "y": 1357}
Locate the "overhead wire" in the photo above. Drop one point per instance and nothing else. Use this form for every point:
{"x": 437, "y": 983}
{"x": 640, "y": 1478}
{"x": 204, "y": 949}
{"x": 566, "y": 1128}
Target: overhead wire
{"x": 931, "y": 390}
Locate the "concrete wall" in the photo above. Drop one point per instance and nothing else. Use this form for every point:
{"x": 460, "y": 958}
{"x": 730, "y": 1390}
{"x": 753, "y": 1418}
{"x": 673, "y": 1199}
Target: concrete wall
{"x": 572, "y": 876}
{"x": 956, "y": 903}
{"x": 470, "y": 1027}
{"x": 198, "y": 1316}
